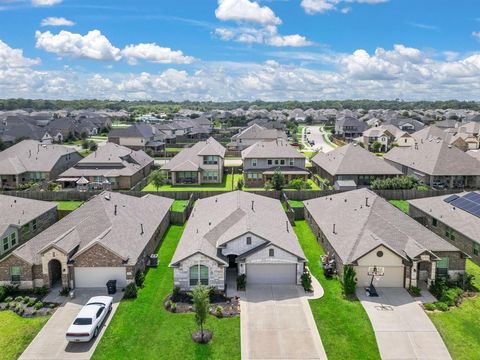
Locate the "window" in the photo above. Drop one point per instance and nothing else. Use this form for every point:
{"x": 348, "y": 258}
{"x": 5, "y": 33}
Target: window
{"x": 254, "y": 162}
{"x": 379, "y": 253}
{"x": 15, "y": 273}
{"x": 26, "y": 228}
{"x": 249, "y": 240}
{"x": 13, "y": 239}
{"x": 5, "y": 244}
{"x": 450, "y": 234}
{"x": 198, "y": 275}
{"x": 210, "y": 160}
{"x": 290, "y": 162}
{"x": 271, "y": 252}
{"x": 34, "y": 224}
{"x": 282, "y": 162}
{"x": 476, "y": 249}
{"x": 434, "y": 222}
{"x": 442, "y": 266}
{"x": 276, "y": 161}
{"x": 99, "y": 312}
{"x": 210, "y": 175}
{"x": 269, "y": 161}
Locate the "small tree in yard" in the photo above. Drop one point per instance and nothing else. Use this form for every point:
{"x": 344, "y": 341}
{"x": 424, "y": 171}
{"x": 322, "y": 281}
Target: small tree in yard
{"x": 376, "y": 146}
{"x": 349, "y": 282}
{"x": 93, "y": 146}
{"x": 158, "y": 179}
{"x": 201, "y": 303}
{"x": 278, "y": 180}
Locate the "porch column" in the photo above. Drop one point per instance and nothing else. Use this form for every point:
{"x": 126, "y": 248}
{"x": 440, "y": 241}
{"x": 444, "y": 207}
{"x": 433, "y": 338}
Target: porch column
{"x": 433, "y": 273}
{"x": 199, "y": 177}
{"x": 173, "y": 177}
{"x": 414, "y": 274}
{"x": 451, "y": 182}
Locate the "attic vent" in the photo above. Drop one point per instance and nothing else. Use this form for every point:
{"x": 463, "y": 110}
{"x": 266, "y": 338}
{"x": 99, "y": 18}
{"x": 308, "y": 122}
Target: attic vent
{"x": 141, "y": 229}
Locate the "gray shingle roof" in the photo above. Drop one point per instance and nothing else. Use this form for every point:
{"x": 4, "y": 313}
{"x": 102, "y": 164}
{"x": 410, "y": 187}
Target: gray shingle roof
{"x": 218, "y": 219}
{"x": 278, "y": 148}
{"x": 258, "y": 132}
{"x": 360, "y": 228}
{"x": 459, "y": 220}
{"x": 435, "y": 157}
{"x": 352, "y": 159}
{"x": 95, "y": 221}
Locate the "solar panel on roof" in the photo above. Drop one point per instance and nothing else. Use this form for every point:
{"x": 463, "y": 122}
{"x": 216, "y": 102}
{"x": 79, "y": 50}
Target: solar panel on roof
{"x": 450, "y": 198}
{"x": 469, "y": 202}
{"x": 472, "y": 196}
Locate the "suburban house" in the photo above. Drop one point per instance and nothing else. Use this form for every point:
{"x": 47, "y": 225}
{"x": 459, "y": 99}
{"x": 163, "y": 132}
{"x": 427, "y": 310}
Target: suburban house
{"x": 140, "y": 136}
{"x": 352, "y": 163}
{"x": 109, "y": 237}
{"x": 436, "y": 163}
{"x": 262, "y": 159}
{"x": 386, "y": 135}
{"x": 450, "y": 136}
{"x": 109, "y": 167}
{"x": 18, "y": 127}
{"x": 237, "y": 233}
{"x": 32, "y": 161}
{"x": 456, "y": 218}
{"x": 349, "y": 128}
{"x": 360, "y": 229}
{"x": 254, "y": 134}
{"x": 200, "y": 164}
{"x": 408, "y": 125}
{"x": 21, "y": 219}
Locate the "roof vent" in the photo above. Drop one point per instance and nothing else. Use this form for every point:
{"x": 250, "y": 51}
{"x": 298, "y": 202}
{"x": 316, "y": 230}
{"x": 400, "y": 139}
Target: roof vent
{"x": 141, "y": 229}
{"x": 115, "y": 211}
{"x": 366, "y": 202}
{"x": 286, "y": 224}
{"x": 334, "y": 229}
{"x": 253, "y": 205}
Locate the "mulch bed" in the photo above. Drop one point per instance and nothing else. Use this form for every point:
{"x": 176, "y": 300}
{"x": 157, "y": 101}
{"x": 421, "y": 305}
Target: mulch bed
{"x": 207, "y": 336}
{"x": 183, "y": 304}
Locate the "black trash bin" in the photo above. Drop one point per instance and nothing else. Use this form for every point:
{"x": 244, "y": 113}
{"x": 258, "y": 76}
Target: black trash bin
{"x": 111, "y": 287}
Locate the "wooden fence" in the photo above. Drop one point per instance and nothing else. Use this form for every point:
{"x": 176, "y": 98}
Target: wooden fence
{"x": 180, "y": 217}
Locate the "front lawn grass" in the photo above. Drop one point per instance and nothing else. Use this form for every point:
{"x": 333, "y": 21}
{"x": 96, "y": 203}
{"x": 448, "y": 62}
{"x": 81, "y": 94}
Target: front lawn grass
{"x": 16, "y": 333}
{"x": 344, "y": 326}
{"x": 179, "y": 205}
{"x": 225, "y": 186}
{"x": 143, "y": 329}
{"x": 460, "y": 326}
{"x": 401, "y": 204}
{"x": 296, "y": 204}
{"x": 68, "y": 205}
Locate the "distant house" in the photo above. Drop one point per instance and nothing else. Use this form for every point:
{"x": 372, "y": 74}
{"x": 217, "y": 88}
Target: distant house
{"x": 437, "y": 164}
{"x": 30, "y": 160}
{"x": 109, "y": 167}
{"x": 387, "y": 136}
{"x": 21, "y": 219}
{"x": 15, "y": 128}
{"x": 362, "y": 230}
{"x": 252, "y": 135}
{"x": 408, "y": 125}
{"x": 109, "y": 237}
{"x": 352, "y": 163}
{"x": 200, "y": 164}
{"x": 140, "y": 136}
{"x": 444, "y": 216}
{"x": 262, "y": 159}
{"x": 237, "y": 233}
{"x": 349, "y": 128}
{"x": 450, "y": 136}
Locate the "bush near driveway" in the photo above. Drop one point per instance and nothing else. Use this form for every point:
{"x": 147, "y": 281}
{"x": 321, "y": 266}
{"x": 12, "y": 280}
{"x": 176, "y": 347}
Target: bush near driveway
{"x": 143, "y": 329}
{"x": 343, "y": 325}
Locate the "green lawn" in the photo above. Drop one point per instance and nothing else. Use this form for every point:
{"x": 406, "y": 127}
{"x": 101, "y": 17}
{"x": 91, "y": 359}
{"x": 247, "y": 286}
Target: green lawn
{"x": 16, "y": 333}
{"x": 143, "y": 329}
{"x": 401, "y": 204}
{"x": 68, "y": 205}
{"x": 179, "y": 205}
{"x": 296, "y": 204}
{"x": 460, "y": 327}
{"x": 343, "y": 325}
{"x": 225, "y": 186}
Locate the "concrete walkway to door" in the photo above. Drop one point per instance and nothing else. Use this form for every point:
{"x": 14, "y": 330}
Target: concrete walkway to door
{"x": 277, "y": 323}
{"x": 402, "y": 328}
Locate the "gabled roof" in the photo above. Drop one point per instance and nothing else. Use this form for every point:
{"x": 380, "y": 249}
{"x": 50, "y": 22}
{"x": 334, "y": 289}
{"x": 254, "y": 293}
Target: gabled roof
{"x": 219, "y": 219}
{"x": 138, "y": 130}
{"x": 96, "y": 222}
{"x": 434, "y": 157}
{"x": 260, "y": 133}
{"x": 363, "y": 221}
{"x": 278, "y": 148}
{"x": 191, "y": 159}
{"x": 352, "y": 159}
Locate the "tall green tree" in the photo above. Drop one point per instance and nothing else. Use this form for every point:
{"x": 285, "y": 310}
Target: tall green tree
{"x": 201, "y": 303}
{"x": 158, "y": 179}
{"x": 278, "y": 180}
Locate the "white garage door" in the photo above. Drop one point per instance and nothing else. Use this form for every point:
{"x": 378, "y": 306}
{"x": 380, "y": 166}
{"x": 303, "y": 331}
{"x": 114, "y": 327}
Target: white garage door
{"x": 393, "y": 277}
{"x": 97, "y": 277}
{"x": 271, "y": 274}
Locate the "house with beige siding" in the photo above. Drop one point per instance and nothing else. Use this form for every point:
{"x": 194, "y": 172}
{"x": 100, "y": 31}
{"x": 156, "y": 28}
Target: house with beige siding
{"x": 109, "y": 237}
{"x": 253, "y": 134}
{"x": 362, "y": 230}
{"x": 237, "y": 233}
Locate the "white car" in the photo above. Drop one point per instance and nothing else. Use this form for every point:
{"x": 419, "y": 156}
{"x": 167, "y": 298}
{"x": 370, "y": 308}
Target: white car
{"x": 89, "y": 320}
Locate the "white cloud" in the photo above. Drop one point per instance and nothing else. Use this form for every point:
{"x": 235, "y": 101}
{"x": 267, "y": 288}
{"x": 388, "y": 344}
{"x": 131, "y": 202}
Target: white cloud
{"x": 57, "y": 21}
{"x": 323, "y": 6}
{"x": 93, "y": 45}
{"x": 13, "y": 58}
{"x": 46, "y": 2}
{"x": 154, "y": 53}
{"x": 476, "y": 34}
{"x": 246, "y": 11}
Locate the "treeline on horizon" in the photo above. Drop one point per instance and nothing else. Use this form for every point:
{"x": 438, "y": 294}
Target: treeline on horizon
{"x": 172, "y": 107}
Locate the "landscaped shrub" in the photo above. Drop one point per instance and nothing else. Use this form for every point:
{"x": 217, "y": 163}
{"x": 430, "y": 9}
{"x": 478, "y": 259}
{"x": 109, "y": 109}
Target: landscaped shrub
{"x": 65, "y": 291}
{"x": 219, "y": 311}
{"x": 26, "y": 299}
{"x": 131, "y": 291}
{"x": 438, "y": 287}
{"x": 176, "y": 291}
{"x": 38, "y": 305}
{"x": 278, "y": 180}
{"x": 8, "y": 299}
{"x": 349, "y": 282}
{"x": 429, "y": 307}
{"x": 173, "y": 307}
{"x": 439, "y": 305}
{"x": 31, "y": 302}
{"x": 40, "y": 291}
{"x": 415, "y": 291}
{"x": 240, "y": 184}
{"x": 395, "y": 183}
{"x": 241, "y": 282}
{"x": 139, "y": 278}
{"x": 452, "y": 296}
{"x": 3, "y": 293}
{"x": 19, "y": 299}
{"x": 299, "y": 184}
{"x": 306, "y": 280}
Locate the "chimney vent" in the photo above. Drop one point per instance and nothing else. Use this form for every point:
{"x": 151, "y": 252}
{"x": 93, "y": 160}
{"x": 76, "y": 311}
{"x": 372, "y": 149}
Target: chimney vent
{"x": 141, "y": 229}
{"x": 334, "y": 229}
{"x": 253, "y": 204}
{"x": 115, "y": 211}
{"x": 366, "y": 202}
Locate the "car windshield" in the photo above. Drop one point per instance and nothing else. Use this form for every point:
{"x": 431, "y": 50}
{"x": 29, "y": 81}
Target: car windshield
{"x": 82, "y": 321}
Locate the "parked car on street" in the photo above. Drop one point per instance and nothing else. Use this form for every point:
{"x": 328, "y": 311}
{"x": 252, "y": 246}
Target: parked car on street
{"x": 89, "y": 320}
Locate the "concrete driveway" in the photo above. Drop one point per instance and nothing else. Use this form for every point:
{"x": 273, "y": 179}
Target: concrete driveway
{"x": 50, "y": 343}
{"x": 402, "y": 328}
{"x": 317, "y": 134}
{"x": 277, "y": 323}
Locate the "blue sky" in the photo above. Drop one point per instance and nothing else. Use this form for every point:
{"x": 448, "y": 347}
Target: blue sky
{"x": 240, "y": 49}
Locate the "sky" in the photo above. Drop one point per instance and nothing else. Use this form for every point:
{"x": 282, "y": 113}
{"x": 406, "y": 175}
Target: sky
{"x": 223, "y": 50}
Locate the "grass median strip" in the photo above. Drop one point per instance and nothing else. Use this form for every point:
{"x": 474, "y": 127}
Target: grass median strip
{"x": 343, "y": 325}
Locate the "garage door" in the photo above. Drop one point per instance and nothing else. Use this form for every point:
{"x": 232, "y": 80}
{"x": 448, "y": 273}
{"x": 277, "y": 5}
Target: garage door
{"x": 90, "y": 277}
{"x": 393, "y": 277}
{"x": 271, "y": 274}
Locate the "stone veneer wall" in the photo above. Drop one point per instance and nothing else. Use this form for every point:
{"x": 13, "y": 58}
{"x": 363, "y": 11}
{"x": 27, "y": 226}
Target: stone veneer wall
{"x": 216, "y": 273}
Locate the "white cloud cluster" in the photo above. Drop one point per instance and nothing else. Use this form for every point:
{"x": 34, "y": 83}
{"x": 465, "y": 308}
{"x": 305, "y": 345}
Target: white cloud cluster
{"x": 258, "y": 24}
{"x": 94, "y": 45}
{"x": 46, "y": 2}
{"x": 401, "y": 72}
{"x": 476, "y": 34}
{"x": 323, "y": 6}
{"x": 57, "y": 21}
